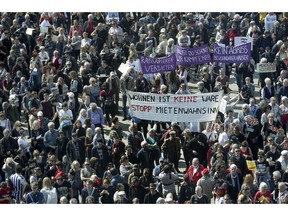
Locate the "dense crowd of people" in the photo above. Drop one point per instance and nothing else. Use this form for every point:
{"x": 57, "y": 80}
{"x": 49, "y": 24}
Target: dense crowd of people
{"x": 61, "y": 139}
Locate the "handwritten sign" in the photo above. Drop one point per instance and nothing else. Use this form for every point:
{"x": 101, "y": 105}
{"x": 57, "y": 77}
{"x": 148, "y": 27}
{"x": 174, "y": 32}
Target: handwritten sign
{"x": 265, "y": 67}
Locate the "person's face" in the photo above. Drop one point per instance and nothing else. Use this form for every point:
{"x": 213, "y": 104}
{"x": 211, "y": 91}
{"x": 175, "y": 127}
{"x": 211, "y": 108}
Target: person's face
{"x": 237, "y": 152}
{"x": 6, "y": 135}
{"x": 195, "y": 163}
{"x": 105, "y": 184}
{"x": 88, "y": 185}
{"x": 261, "y": 158}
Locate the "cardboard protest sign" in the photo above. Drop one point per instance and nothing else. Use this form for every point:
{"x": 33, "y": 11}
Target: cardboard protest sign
{"x": 251, "y": 165}
{"x": 174, "y": 108}
{"x": 156, "y": 65}
{"x": 243, "y": 40}
{"x": 232, "y": 54}
{"x": 44, "y": 29}
{"x": 265, "y": 67}
{"x": 29, "y": 31}
{"x": 192, "y": 56}
{"x": 123, "y": 68}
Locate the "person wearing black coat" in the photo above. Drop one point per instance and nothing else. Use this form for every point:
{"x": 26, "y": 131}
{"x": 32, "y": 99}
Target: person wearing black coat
{"x": 75, "y": 149}
{"x": 234, "y": 180}
{"x": 100, "y": 151}
{"x": 146, "y": 157}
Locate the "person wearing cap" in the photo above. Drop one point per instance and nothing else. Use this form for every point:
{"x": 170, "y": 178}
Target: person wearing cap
{"x": 42, "y": 121}
{"x": 206, "y": 184}
{"x": 153, "y": 195}
{"x": 171, "y": 149}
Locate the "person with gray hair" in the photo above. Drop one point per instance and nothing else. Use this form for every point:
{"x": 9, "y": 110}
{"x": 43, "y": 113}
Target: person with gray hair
{"x": 268, "y": 90}
{"x": 282, "y": 196}
{"x": 201, "y": 88}
{"x": 263, "y": 196}
{"x": 199, "y": 197}
{"x": 283, "y": 90}
{"x": 234, "y": 180}
{"x": 50, "y": 138}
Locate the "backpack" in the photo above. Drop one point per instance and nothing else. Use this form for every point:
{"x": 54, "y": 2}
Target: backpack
{"x": 52, "y": 197}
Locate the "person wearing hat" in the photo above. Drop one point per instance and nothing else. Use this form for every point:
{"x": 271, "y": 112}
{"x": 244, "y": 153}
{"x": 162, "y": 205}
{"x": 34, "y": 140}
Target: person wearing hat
{"x": 171, "y": 149}
{"x": 206, "y": 184}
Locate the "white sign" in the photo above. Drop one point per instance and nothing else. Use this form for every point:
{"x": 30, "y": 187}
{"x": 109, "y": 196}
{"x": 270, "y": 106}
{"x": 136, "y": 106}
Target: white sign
{"x": 174, "y": 108}
{"x": 243, "y": 40}
{"x": 222, "y": 107}
{"x": 44, "y": 29}
{"x": 123, "y": 68}
{"x": 29, "y": 31}
{"x": 265, "y": 67}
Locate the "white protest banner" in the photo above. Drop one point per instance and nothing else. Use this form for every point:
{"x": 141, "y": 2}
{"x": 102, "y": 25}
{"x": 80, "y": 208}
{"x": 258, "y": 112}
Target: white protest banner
{"x": 174, "y": 108}
{"x": 243, "y": 40}
{"x": 265, "y": 67}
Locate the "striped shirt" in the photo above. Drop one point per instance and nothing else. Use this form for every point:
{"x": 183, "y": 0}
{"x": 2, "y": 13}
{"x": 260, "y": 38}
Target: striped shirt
{"x": 19, "y": 183}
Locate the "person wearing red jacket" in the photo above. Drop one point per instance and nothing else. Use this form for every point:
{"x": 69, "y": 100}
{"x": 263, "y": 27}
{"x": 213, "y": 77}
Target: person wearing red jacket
{"x": 194, "y": 172}
{"x": 233, "y": 32}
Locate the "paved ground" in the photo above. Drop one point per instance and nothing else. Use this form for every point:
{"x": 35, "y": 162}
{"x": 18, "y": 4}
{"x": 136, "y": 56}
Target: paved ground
{"x": 192, "y": 86}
